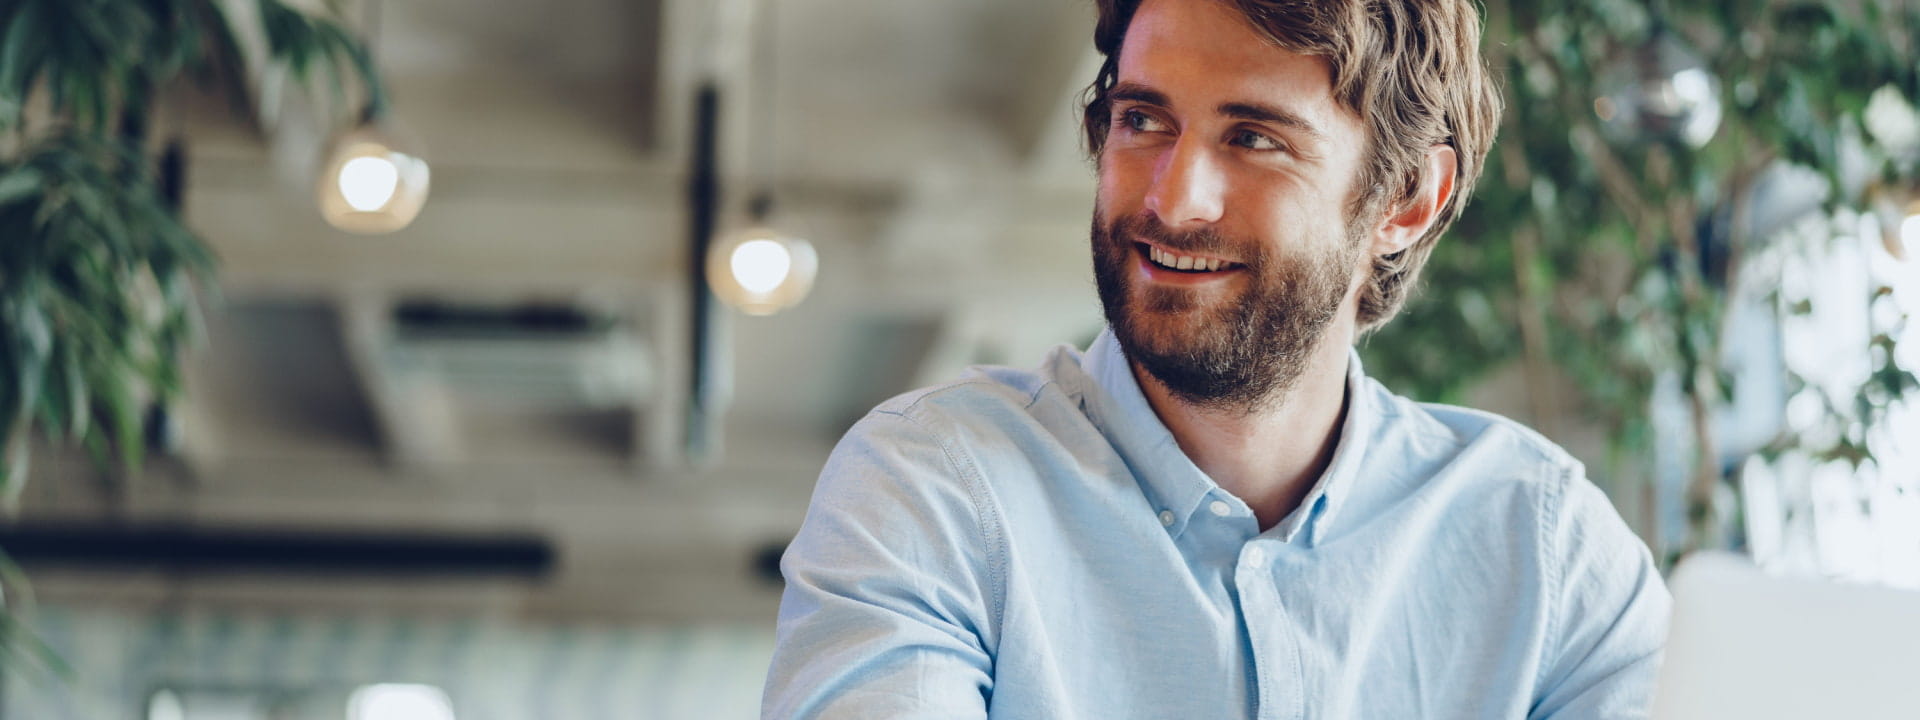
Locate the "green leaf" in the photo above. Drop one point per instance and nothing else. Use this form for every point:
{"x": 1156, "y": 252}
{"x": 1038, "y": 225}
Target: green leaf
{"x": 13, "y": 472}
{"x": 223, "y": 63}
{"x": 124, "y": 416}
{"x": 19, "y": 58}
{"x": 19, "y": 183}
{"x": 73, "y": 378}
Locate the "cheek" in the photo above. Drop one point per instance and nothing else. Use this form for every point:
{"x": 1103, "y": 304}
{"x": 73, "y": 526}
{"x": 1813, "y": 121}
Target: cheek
{"x": 1286, "y": 209}
{"x": 1123, "y": 178}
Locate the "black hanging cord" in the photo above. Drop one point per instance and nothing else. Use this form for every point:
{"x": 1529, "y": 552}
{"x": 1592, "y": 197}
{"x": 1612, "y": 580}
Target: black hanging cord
{"x": 703, "y": 205}
{"x": 762, "y": 84}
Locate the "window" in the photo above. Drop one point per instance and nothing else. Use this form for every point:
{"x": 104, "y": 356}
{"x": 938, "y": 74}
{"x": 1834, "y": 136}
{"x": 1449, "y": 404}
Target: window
{"x": 395, "y": 701}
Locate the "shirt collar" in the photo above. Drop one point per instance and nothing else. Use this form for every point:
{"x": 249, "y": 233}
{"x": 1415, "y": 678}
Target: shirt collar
{"x": 1342, "y": 473}
{"x": 1170, "y": 480}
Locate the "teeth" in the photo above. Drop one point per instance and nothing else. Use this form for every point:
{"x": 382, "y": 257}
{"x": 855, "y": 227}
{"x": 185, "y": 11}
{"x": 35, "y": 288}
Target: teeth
{"x": 1183, "y": 262}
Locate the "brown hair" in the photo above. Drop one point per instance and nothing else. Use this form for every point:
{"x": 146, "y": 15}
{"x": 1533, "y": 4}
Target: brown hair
{"x": 1412, "y": 71}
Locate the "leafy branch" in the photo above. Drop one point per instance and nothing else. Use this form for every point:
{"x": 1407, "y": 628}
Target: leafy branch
{"x": 97, "y": 270}
{"x": 1619, "y": 243}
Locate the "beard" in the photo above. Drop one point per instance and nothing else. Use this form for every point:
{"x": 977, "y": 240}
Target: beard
{"x": 1230, "y": 353}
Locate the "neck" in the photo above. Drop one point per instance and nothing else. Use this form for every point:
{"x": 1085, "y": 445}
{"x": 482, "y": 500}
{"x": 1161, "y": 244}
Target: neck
{"x": 1269, "y": 457}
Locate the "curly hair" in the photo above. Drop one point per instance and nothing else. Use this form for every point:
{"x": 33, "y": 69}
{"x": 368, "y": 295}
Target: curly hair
{"x": 1410, "y": 69}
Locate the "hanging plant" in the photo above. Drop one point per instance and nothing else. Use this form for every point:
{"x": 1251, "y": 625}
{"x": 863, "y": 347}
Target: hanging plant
{"x": 97, "y": 270}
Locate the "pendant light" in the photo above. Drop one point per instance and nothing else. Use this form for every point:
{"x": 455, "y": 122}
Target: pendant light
{"x": 760, "y": 269}
{"x": 373, "y": 180}
{"x": 374, "y": 177}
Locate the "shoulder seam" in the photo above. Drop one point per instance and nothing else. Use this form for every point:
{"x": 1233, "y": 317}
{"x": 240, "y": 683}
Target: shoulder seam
{"x": 1542, "y": 448}
{"x": 925, "y": 393}
{"x": 1552, "y": 505}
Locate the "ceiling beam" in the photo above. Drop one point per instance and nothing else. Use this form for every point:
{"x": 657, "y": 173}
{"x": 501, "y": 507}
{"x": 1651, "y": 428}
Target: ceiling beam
{"x": 415, "y": 415}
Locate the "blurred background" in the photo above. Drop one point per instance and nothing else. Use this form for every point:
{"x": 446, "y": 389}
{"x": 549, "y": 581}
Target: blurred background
{"x": 472, "y": 358}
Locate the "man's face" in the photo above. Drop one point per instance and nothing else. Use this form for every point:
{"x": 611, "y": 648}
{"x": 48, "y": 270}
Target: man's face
{"x": 1229, "y": 157}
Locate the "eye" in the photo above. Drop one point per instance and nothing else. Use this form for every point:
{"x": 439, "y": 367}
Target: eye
{"x": 1139, "y": 122}
{"x": 1255, "y": 140}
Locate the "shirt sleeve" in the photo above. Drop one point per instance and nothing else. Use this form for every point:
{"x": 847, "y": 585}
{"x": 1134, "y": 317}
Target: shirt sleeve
{"x": 1610, "y": 613}
{"x": 885, "y": 613}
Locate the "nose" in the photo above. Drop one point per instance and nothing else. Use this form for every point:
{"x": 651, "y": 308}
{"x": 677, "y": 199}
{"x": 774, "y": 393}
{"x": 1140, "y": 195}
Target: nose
{"x": 1188, "y": 188}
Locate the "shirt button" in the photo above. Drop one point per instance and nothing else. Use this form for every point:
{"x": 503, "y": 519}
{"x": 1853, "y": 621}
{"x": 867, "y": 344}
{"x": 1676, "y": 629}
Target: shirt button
{"x": 1221, "y": 508}
{"x": 1255, "y": 557}
{"x": 1166, "y": 518}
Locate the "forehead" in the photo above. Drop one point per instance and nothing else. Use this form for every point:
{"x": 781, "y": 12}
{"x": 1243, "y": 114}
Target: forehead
{"x": 1203, "y": 52}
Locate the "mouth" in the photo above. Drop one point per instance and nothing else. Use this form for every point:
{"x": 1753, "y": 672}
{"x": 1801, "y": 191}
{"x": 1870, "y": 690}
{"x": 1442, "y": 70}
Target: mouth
{"x": 1161, "y": 263}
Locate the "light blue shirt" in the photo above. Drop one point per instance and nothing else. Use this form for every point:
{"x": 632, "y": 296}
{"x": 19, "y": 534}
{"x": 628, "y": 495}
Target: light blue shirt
{"x": 1033, "y": 544}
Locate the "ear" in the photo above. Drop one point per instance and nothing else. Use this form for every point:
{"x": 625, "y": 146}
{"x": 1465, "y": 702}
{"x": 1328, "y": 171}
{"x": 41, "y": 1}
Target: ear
{"x": 1411, "y": 220}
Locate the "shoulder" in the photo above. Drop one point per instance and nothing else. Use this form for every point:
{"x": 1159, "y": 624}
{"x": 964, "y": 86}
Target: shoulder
{"x": 1443, "y": 428}
{"x": 900, "y": 479}
{"x": 947, "y": 429}
{"x": 1510, "y": 487}
{"x": 1510, "y": 452}
{"x": 1496, "y": 461}
{"x": 1512, "y": 477}
{"x": 922, "y": 472}
{"x": 985, "y": 406}
{"x": 980, "y": 390}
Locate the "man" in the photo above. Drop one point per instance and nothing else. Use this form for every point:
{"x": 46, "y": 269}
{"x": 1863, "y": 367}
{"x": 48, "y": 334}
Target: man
{"x": 1213, "y": 513}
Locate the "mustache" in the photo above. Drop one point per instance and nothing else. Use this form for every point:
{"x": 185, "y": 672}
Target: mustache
{"x": 1136, "y": 228}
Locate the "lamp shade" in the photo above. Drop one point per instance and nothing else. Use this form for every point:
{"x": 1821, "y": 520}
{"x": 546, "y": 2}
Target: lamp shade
{"x": 761, "y": 271}
{"x": 372, "y": 181}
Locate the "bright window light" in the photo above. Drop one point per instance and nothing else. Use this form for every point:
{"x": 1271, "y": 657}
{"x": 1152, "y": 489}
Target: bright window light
{"x": 761, "y": 265}
{"x": 165, "y": 705}
{"x": 393, "y": 701}
{"x": 368, "y": 183}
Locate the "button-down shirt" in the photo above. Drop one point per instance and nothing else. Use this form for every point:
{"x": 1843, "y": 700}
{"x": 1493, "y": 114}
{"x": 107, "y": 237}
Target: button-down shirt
{"x": 1034, "y": 544}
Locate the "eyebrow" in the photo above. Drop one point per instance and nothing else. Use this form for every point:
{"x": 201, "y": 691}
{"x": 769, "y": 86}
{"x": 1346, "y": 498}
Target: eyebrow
{"x": 1256, "y": 112}
{"x": 1135, "y": 92}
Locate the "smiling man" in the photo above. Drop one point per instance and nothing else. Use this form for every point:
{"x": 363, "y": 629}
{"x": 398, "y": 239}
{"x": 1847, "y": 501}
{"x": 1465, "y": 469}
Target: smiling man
{"x": 1212, "y": 512}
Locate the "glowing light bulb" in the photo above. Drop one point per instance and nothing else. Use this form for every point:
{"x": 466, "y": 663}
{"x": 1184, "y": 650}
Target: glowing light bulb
{"x": 761, "y": 271}
{"x": 371, "y": 181}
{"x": 761, "y": 265}
{"x": 368, "y": 183}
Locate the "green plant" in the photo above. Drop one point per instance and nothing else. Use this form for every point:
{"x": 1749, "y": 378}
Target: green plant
{"x": 97, "y": 270}
{"x": 1603, "y": 252}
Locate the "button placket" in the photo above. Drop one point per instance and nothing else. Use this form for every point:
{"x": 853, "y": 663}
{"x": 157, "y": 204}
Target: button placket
{"x": 1260, "y": 607}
